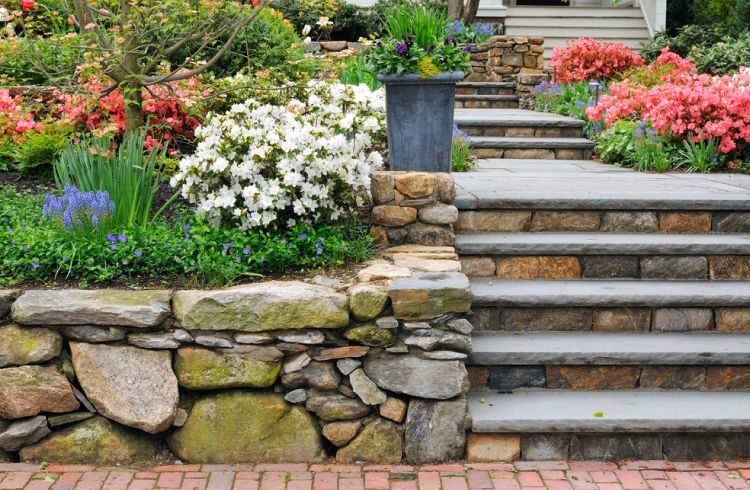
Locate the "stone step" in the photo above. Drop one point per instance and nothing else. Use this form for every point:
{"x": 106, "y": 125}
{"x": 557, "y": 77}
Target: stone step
{"x": 610, "y": 412}
{"x": 601, "y": 244}
{"x": 608, "y": 348}
{"x": 486, "y": 88}
{"x": 486, "y": 101}
{"x": 594, "y": 294}
{"x": 532, "y": 147}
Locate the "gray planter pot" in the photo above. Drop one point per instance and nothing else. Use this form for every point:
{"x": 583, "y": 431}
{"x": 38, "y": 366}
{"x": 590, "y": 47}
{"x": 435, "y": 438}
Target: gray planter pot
{"x": 420, "y": 120}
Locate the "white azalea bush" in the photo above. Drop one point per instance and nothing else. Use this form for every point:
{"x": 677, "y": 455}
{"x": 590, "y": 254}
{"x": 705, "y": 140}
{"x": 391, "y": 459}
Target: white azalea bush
{"x": 259, "y": 165}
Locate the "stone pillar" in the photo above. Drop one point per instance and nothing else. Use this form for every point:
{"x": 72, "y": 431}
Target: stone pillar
{"x": 413, "y": 207}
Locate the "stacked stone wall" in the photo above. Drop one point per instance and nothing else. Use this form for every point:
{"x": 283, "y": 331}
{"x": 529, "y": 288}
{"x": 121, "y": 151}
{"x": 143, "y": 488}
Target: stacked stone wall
{"x": 280, "y": 371}
{"x": 504, "y": 58}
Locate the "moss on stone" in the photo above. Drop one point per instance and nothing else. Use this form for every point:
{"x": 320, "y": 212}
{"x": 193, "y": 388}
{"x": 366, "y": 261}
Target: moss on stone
{"x": 367, "y": 301}
{"x": 380, "y": 442}
{"x": 24, "y": 345}
{"x": 371, "y": 335}
{"x": 204, "y": 369}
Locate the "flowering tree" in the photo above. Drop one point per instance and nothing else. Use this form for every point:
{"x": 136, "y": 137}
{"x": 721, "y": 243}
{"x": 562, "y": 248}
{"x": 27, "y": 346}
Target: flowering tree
{"x": 144, "y": 44}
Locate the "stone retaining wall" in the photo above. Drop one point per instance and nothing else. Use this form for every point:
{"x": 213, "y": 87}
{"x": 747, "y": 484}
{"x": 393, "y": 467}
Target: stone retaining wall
{"x": 266, "y": 372}
{"x": 504, "y": 58}
{"x": 413, "y": 207}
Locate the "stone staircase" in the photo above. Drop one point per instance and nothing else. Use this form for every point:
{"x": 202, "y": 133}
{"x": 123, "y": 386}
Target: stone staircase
{"x": 611, "y": 308}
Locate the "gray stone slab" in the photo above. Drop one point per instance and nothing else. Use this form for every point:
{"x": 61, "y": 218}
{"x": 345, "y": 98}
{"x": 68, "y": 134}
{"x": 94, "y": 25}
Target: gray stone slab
{"x": 604, "y": 348}
{"x": 489, "y": 97}
{"x": 566, "y": 187}
{"x": 601, "y": 244}
{"x": 610, "y": 411}
{"x": 495, "y": 292}
{"x": 529, "y": 142}
{"x": 487, "y": 84}
{"x": 512, "y": 118}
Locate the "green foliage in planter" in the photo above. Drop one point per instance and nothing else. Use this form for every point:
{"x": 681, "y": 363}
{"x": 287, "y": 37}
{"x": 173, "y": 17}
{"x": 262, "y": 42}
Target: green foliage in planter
{"x": 356, "y": 71}
{"x": 177, "y": 251}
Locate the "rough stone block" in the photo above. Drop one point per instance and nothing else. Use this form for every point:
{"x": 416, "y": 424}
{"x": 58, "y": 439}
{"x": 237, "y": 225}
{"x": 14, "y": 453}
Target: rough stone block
{"x": 385, "y": 215}
{"x": 430, "y": 295}
{"x": 435, "y": 431}
{"x": 394, "y": 236}
{"x": 446, "y": 187}
{"x": 622, "y": 320}
{"x": 610, "y": 267}
{"x": 674, "y": 267}
{"x": 439, "y": 214}
{"x": 730, "y": 267}
{"x": 548, "y": 319}
{"x": 538, "y": 267}
{"x": 493, "y": 221}
{"x": 728, "y": 378}
{"x": 478, "y": 377}
{"x": 486, "y": 319}
{"x": 415, "y": 184}
{"x": 432, "y": 235}
{"x": 630, "y": 222}
{"x": 530, "y": 153}
{"x": 673, "y": 378}
{"x": 565, "y": 221}
{"x": 735, "y": 320}
{"x": 738, "y": 222}
{"x": 478, "y": 266}
{"x": 592, "y": 377}
{"x": 379, "y": 234}
{"x": 705, "y": 447}
{"x": 492, "y": 448}
{"x": 546, "y": 447}
{"x": 382, "y": 185}
{"x": 685, "y": 222}
{"x": 513, "y": 59}
{"x": 683, "y": 319}
{"x": 616, "y": 447}
{"x": 508, "y": 378}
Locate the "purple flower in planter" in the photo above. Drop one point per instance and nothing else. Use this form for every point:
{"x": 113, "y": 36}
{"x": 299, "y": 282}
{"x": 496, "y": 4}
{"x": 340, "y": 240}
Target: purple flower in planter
{"x": 451, "y": 40}
{"x": 430, "y": 48}
{"x": 402, "y": 49}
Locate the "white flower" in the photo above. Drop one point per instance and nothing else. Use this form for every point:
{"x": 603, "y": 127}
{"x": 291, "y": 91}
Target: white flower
{"x": 306, "y": 30}
{"x": 4, "y": 14}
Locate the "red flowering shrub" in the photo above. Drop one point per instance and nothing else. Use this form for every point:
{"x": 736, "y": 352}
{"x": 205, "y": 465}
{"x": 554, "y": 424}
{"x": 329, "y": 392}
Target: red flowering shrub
{"x": 172, "y": 112}
{"x": 683, "y": 105}
{"x": 586, "y": 60}
{"x": 15, "y": 119}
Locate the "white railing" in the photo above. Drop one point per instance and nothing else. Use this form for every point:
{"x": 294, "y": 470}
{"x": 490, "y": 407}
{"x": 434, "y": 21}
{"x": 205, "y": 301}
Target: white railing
{"x": 654, "y": 13}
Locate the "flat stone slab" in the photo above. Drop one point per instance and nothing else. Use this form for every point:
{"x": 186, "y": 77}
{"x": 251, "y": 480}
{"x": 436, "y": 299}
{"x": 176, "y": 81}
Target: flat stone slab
{"x": 604, "y": 348}
{"x": 610, "y": 411}
{"x": 491, "y": 97}
{"x": 529, "y": 142}
{"x": 569, "y": 184}
{"x": 512, "y": 118}
{"x": 496, "y": 292}
{"x": 601, "y": 244}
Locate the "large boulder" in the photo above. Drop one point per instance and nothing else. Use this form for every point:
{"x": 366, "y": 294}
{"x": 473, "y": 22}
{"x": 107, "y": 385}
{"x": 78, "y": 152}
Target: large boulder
{"x": 94, "y": 441}
{"x": 19, "y": 345}
{"x": 242, "y": 366}
{"x": 132, "y": 386}
{"x": 258, "y": 307}
{"x": 110, "y": 307}
{"x": 247, "y": 427}
{"x": 415, "y": 376}
{"x": 436, "y": 431}
{"x": 29, "y": 390}
{"x": 379, "y": 442}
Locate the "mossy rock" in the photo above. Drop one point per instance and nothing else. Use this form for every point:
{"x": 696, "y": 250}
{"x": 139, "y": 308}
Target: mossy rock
{"x": 367, "y": 301}
{"x": 380, "y": 442}
{"x": 23, "y": 345}
{"x": 243, "y": 366}
{"x": 95, "y": 441}
{"x": 247, "y": 427}
{"x": 371, "y": 335}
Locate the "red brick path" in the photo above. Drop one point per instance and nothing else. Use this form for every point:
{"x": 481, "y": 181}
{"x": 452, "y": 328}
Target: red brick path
{"x": 553, "y": 475}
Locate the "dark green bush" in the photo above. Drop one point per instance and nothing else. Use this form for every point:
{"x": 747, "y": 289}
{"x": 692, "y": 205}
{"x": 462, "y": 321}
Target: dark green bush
{"x": 724, "y": 57}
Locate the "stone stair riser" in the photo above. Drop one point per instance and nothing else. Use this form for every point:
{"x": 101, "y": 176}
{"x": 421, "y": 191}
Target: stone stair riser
{"x": 534, "y": 153}
{"x": 619, "y": 221}
{"x": 521, "y": 131}
{"x": 557, "y": 267}
{"x": 615, "y": 319}
{"x": 507, "y": 378}
{"x": 486, "y": 104}
{"x": 490, "y": 90}
{"x": 616, "y": 447}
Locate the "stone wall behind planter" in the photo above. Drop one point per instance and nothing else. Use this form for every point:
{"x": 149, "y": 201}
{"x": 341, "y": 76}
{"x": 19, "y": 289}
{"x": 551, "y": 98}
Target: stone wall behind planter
{"x": 503, "y": 58}
{"x": 266, "y": 372}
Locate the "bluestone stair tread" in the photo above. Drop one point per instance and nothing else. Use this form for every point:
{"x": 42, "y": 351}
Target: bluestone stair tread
{"x": 601, "y": 244}
{"x": 600, "y": 293}
{"x": 530, "y": 142}
{"x": 486, "y": 97}
{"x": 604, "y": 348}
{"x": 512, "y": 118}
{"x": 583, "y": 189}
{"x": 486, "y": 84}
{"x": 610, "y": 411}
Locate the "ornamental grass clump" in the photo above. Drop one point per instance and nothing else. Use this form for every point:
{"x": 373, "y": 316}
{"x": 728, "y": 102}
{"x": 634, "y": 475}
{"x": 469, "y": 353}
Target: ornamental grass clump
{"x": 418, "y": 41}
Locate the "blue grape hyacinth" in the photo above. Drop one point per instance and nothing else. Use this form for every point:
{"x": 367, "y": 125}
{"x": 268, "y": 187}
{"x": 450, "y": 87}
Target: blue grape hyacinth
{"x": 76, "y": 208}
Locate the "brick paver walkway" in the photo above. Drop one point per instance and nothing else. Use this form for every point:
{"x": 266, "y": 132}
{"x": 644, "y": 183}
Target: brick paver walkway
{"x": 552, "y": 475}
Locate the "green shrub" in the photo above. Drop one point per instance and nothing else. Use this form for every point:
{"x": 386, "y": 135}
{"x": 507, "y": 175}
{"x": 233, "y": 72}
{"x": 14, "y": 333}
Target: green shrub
{"x": 131, "y": 178}
{"x": 701, "y": 156}
{"x": 617, "y": 143}
{"x": 276, "y": 89}
{"x": 42, "y": 61}
{"x": 723, "y": 58}
{"x": 39, "y": 149}
{"x": 176, "y": 251}
{"x": 356, "y": 71}
{"x": 689, "y": 38}
{"x": 655, "y": 155}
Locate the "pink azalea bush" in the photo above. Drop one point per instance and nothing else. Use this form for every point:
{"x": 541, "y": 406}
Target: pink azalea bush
{"x": 587, "y": 60}
{"x": 681, "y": 104}
{"x": 15, "y": 118}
